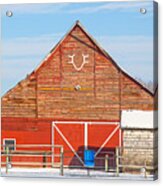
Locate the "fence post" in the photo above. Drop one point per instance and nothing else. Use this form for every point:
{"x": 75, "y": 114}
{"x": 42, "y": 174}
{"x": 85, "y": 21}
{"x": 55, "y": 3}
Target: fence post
{"x": 44, "y": 160}
{"x": 61, "y": 161}
{"x": 145, "y": 169}
{"x": 7, "y": 158}
{"x": 117, "y": 161}
{"x": 106, "y": 163}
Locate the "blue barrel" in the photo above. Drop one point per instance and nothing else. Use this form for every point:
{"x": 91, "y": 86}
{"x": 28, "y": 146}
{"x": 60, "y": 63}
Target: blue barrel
{"x": 89, "y": 158}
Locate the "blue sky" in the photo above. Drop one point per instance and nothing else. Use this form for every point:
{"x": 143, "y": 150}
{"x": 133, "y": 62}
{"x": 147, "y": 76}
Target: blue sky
{"x": 119, "y": 27}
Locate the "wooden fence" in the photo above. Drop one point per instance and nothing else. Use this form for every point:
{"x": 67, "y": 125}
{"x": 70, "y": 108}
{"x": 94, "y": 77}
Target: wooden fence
{"x": 31, "y": 150}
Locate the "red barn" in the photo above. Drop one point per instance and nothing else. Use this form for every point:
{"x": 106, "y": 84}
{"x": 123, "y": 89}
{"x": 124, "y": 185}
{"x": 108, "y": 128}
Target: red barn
{"x": 73, "y": 98}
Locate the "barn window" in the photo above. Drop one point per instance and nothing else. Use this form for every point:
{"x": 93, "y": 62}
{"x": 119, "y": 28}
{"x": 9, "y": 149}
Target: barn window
{"x": 10, "y": 142}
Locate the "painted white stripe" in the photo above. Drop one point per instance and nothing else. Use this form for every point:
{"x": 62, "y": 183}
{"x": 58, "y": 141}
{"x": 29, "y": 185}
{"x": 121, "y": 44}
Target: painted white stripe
{"x": 120, "y": 137}
{"x": 81, "y": 122}
{"x": 86, "y": 135}
{"x": 106, "y": 141}
{"x": 70, "y": 146}
{"x": 105, "y": 123}
{"x": 52, "y": 142}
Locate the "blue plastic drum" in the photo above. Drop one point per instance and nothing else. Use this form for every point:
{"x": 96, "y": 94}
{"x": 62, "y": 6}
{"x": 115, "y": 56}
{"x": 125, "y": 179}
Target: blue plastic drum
{"x": 89, "y": 158}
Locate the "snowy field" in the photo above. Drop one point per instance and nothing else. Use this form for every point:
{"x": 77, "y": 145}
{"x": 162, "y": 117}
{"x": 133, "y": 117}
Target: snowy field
{"x": 70, "y": 173}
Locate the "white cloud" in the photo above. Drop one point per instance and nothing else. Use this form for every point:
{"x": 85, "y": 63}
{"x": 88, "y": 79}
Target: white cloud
{"x": 50, "y": 8}
{"x": 129, "y": 48}
{"x": 132, "y": 53}
{"x": 30, "y": 46}
{"x": 20, "y": 56}
{"x": 123, "y": 6}
{"x": 14, "y": 70}
{"x": 35, "y": 8}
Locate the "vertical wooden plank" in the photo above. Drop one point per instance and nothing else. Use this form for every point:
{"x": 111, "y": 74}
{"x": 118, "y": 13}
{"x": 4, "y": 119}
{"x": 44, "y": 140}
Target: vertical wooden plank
{"x": 61, "y": 161}
{"x": 7, "y": 159}
{"x": 106, "y": 163}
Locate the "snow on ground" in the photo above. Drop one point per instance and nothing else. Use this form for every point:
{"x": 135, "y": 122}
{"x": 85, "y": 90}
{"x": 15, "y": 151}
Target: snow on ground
{"x": 70, "y": 173}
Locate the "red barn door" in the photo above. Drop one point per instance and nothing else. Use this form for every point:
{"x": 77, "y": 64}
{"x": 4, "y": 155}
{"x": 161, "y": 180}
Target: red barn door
{"x": 102, "y": 137}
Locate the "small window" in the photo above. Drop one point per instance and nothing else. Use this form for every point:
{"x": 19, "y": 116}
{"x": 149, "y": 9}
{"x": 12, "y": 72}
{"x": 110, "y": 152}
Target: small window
{"x": 11, "y": 143}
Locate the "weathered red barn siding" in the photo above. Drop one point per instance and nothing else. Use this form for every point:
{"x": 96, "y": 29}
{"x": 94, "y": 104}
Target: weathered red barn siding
{"x": 133, "y": 96}
{"x": 27, "y": 131}
{"x": 48, "y": 92}
{"x": 39, "y": 131}
{"x": 103, "y": 87}
{"x": 20, "y": 101}
{"x": 98, "y": 79}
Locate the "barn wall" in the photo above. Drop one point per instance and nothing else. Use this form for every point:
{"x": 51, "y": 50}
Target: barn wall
{"x": 104, "y": 89}
{"x": 26, "y": 130}
{"x": 140, "y": 145}
{"x": 39, "y": 131}
{"x": 21, "y": 100}
{"x": 99, "y": 81}
{"x": 49, "y": 92}
{"x": 134, "y": 97}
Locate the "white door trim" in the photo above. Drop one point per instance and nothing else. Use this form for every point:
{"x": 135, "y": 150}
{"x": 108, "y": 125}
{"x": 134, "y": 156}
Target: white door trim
{"x": 92, "y": 122}
{"x": 86, "y": 135}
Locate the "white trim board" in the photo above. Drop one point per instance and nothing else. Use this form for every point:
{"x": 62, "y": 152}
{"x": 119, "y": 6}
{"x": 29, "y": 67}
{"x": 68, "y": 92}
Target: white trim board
{"x": 82, "y": 122}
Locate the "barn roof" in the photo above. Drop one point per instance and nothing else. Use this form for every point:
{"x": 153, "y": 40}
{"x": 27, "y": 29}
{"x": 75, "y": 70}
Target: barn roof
{"x": 103, "y": 51}
{"x": 139, "y": 119}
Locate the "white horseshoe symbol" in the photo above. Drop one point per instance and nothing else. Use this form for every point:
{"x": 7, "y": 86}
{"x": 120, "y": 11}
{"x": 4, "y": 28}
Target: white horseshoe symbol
{"x": 73, "y": 63}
